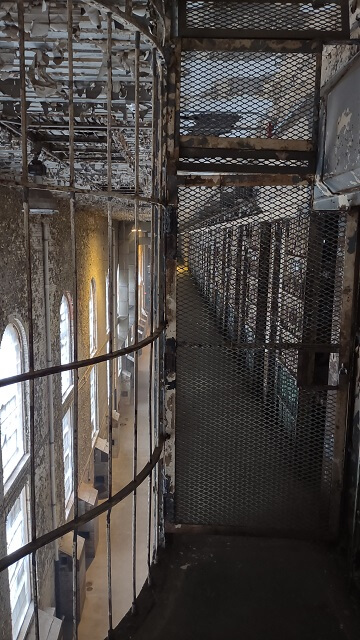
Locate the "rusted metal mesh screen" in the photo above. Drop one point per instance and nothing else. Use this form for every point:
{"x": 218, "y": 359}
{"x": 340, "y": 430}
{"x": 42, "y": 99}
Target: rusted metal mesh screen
{"x": 233, "y": 163}
{"x": 248, "y": 95}
{"x": 261, "y": 16}
{"x": 258, "y": 305}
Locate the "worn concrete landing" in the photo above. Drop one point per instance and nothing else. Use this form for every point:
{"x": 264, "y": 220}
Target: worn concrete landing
{"x": 237, "y": 588}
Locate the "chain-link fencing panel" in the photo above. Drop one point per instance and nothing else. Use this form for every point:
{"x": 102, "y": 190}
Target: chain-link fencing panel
{"x": 247, "y": 94}
{"x": 242, "y": 19}
{"x": 259, "y": 288}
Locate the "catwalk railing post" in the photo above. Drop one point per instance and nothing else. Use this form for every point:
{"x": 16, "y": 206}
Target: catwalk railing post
{"x": 75, "y": 313}
{"x": 154, "y": 192}
{"x": 159, "y": 212}
{"x": 172, "y": 155}
{"x": 346, "y": 352}
{"x": 136, "y": 319}
{"x": 27, "y": 237}
{"x": 109, "y": 309}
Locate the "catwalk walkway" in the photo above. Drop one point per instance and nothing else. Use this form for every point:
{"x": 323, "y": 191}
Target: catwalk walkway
{"x": 238, "y": 588}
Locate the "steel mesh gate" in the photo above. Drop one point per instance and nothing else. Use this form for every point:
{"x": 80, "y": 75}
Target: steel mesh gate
{"x": 259, "y": 290}
{"x": 259, "y": 284}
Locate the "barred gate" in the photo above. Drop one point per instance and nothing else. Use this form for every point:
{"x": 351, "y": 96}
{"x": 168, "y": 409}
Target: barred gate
{"x": 260, "y": 275}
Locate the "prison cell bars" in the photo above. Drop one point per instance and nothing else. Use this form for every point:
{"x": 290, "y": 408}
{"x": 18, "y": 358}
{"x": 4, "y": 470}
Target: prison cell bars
{"x": 153, "y": 338}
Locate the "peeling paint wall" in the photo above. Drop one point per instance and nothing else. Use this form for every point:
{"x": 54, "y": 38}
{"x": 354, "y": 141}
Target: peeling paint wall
{"x": 334, "y": 58}
{"x": 92, "y": 262}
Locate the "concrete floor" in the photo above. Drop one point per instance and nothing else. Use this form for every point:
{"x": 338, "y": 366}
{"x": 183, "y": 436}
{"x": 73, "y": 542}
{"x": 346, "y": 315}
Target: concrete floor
{"x": 241, "y": 588}
{"x": 94, "y": 619}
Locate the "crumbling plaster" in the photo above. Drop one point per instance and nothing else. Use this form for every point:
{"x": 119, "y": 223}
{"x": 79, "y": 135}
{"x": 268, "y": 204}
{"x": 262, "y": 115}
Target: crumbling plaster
{"x": 92, "y": 261}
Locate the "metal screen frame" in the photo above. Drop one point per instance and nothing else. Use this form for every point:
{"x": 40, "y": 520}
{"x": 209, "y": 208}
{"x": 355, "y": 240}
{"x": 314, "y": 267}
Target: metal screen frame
{"x": 311, "y": 33}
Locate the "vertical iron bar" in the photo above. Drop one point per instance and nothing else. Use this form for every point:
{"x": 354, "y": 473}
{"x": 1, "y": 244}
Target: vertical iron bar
{"x": 27, "y": 239}
{"x": 316, "y": 103}
{"x": 167, "y": 378}
{"x": 75, "y": 310}
{"x": 136, "y": 321}
{"x": 154, "y": 193}
{"x": 158, "y": 216}
{"x": 345, "y": 365}
{"x": 109, "y": 310}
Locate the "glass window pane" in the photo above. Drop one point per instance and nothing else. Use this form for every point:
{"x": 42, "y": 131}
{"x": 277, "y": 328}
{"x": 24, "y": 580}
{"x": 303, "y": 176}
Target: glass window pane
{"x": 11, "y": 403}
{"x": 65, "y": 345}
{"x": 68, "y": 455}
{"x": 19, "y": 573}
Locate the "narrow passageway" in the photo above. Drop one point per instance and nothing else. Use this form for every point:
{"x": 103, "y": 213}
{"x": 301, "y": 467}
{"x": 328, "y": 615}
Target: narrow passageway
{"x": 239, "y": 588}
{"x": 236, "y": 459}
{"x": 94, "y": 621}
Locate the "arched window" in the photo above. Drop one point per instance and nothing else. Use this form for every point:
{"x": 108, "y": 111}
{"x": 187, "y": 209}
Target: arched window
{"x": 94, "y": 409}
{"x": 68, "y": 456}
{"x": 12, "y": 402}
{"x": 107, "y": 303}
{"x": 92, "y": 318}
{"x": 118, "y": 303}
{"x": 65, "y": 345}
{"x": 19, "y": 572}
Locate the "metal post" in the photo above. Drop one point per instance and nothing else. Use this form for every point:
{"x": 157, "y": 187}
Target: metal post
{"x": 27, "y": 238}
{"x": 346, "y": 351}
{"x": 157, "y": 231}
{"x": 155, "y": 140}
{"x": 75, "y": 311}
{"x": 168, "y": 239}
{"x": 136, "y": 321}
{"x": 109, "y": 310}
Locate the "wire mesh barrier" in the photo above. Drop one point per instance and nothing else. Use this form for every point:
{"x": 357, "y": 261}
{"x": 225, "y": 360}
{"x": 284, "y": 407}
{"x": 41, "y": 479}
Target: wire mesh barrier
{"x": 249, "y": 110}
{"x": 212, "y": 18}
{"x": 252, "y": 94}
{"x": 259, "y": 290}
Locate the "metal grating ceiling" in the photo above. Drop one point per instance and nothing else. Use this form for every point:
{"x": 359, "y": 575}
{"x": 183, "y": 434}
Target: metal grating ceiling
{"x": 47, "y": 92}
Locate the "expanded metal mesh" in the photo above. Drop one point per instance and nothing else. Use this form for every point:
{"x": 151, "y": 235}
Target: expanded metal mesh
{"x": 261, "y": 16}
{"x": 247, "y": 94}
{"x": 258, "y": 304}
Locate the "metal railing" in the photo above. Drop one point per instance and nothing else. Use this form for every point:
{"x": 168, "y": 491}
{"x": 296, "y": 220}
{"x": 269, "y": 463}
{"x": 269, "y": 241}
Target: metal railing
{"x": 154, "y": 201}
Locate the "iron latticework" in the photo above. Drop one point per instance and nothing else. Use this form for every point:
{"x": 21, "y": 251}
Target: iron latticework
{"x": 258, "y": 305}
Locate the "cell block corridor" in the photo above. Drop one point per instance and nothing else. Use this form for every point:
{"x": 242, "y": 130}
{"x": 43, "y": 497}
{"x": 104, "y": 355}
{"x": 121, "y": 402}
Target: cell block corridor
{"x": 259, "y": 287}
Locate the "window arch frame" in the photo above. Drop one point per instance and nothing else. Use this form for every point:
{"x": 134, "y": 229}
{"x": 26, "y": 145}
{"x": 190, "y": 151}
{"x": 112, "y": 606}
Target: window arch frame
{"x": 15, "y": 487}
{"x": 93, "y": 318}
{"x": 107, "y": 295}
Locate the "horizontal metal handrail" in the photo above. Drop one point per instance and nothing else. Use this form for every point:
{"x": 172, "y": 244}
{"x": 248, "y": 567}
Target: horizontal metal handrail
{"x": 78, "y": 364}
{"x": 72, "y": 525}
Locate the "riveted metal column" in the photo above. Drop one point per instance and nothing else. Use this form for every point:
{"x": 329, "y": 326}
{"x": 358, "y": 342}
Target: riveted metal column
{"x": 172, "y": 150}
{"x": 109, "y": 309}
